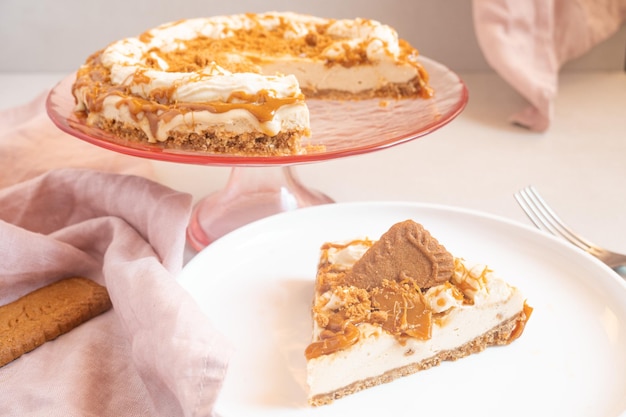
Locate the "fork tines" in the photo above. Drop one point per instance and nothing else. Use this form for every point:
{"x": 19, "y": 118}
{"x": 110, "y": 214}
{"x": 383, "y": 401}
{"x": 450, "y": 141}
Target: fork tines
{"x": 540, "y": 213}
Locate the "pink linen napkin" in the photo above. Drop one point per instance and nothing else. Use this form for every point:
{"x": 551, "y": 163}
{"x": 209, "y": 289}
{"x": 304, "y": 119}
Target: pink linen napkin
{"x": 526, "y": 42}
{"x": 154, "y": 353}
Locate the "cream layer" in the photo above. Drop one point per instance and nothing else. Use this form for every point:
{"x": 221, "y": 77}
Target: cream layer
{"x": 316, "y": 76}
{"x": 294, "y": 117}
{"x": 378, "y": 352}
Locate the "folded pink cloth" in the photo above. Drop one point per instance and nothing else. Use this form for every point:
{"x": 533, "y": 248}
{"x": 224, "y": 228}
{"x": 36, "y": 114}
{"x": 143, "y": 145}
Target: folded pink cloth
{"x": 526, "y": 42}
{"x": 155, "y": 353}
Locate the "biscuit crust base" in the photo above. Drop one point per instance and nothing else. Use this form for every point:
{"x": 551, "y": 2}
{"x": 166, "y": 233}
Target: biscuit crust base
{"x": 214, "y": 140}
{"x": 500, "y": 335}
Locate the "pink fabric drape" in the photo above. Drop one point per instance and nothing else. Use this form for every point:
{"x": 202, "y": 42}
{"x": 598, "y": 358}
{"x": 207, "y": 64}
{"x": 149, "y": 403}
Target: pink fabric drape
{"x": 527, "y": 42}
{"x": 69, "y": 208}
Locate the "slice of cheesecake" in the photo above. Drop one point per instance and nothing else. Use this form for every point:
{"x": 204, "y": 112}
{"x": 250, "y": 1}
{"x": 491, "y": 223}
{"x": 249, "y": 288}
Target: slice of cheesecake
{"x": 399, "y": 305}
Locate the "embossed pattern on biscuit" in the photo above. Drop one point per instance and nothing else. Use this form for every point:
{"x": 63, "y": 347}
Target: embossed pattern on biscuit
{"x": 405, "y": 251}
{"x": 46, "y": 313}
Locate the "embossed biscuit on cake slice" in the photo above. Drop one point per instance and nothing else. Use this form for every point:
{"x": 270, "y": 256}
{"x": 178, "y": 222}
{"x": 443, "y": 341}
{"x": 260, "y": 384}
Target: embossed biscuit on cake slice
{"x": 48, "y": 312}
{"x": 405, "y": 251}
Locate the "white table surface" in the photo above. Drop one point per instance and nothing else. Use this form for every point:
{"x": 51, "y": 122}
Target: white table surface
{"x": 477, "y": 161}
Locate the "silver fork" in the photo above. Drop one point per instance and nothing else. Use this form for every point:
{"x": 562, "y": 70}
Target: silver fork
{"x": 540, "y": 213}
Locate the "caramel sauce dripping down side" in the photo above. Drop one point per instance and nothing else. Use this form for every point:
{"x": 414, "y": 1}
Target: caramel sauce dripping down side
{"x": 331, "y": 342}
{"x": 521, "y": 323}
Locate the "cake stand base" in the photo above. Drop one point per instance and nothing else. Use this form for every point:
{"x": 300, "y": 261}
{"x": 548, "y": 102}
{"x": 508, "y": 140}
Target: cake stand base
{"x": 251, "y": 193}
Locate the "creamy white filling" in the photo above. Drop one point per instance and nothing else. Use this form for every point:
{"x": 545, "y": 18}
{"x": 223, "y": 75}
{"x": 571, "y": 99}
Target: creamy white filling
{"x": 372, "y": 356}
{"x": 238, "y": 121}
{"x": 346, "y": 257}
{"x": 212, "y": 83}
{"x": 317, "y": 76}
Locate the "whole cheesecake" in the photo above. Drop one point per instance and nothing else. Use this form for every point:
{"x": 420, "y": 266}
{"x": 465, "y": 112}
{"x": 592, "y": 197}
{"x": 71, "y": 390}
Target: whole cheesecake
{"x": 389, "y": 308}
{"x": 237, "y": 84}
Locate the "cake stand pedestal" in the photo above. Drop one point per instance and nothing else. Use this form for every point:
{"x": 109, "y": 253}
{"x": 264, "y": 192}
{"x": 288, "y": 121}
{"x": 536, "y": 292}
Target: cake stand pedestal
{"x": 260, "y": 186}
{"x": 251, "y": 193}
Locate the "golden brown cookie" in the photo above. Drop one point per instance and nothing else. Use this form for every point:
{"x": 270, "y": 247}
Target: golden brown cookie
{"x": 405, "y": 251}
{"x": 47, "y": 313}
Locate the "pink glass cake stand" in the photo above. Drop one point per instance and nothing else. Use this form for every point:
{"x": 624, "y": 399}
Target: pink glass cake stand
{"x": 260, "y": 186}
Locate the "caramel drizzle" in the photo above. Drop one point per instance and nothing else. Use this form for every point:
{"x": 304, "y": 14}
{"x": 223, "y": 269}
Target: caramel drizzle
{"x": 160, "y": 106}
{"x": 398, "y": 308}
{"x": 262, "y": 106}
